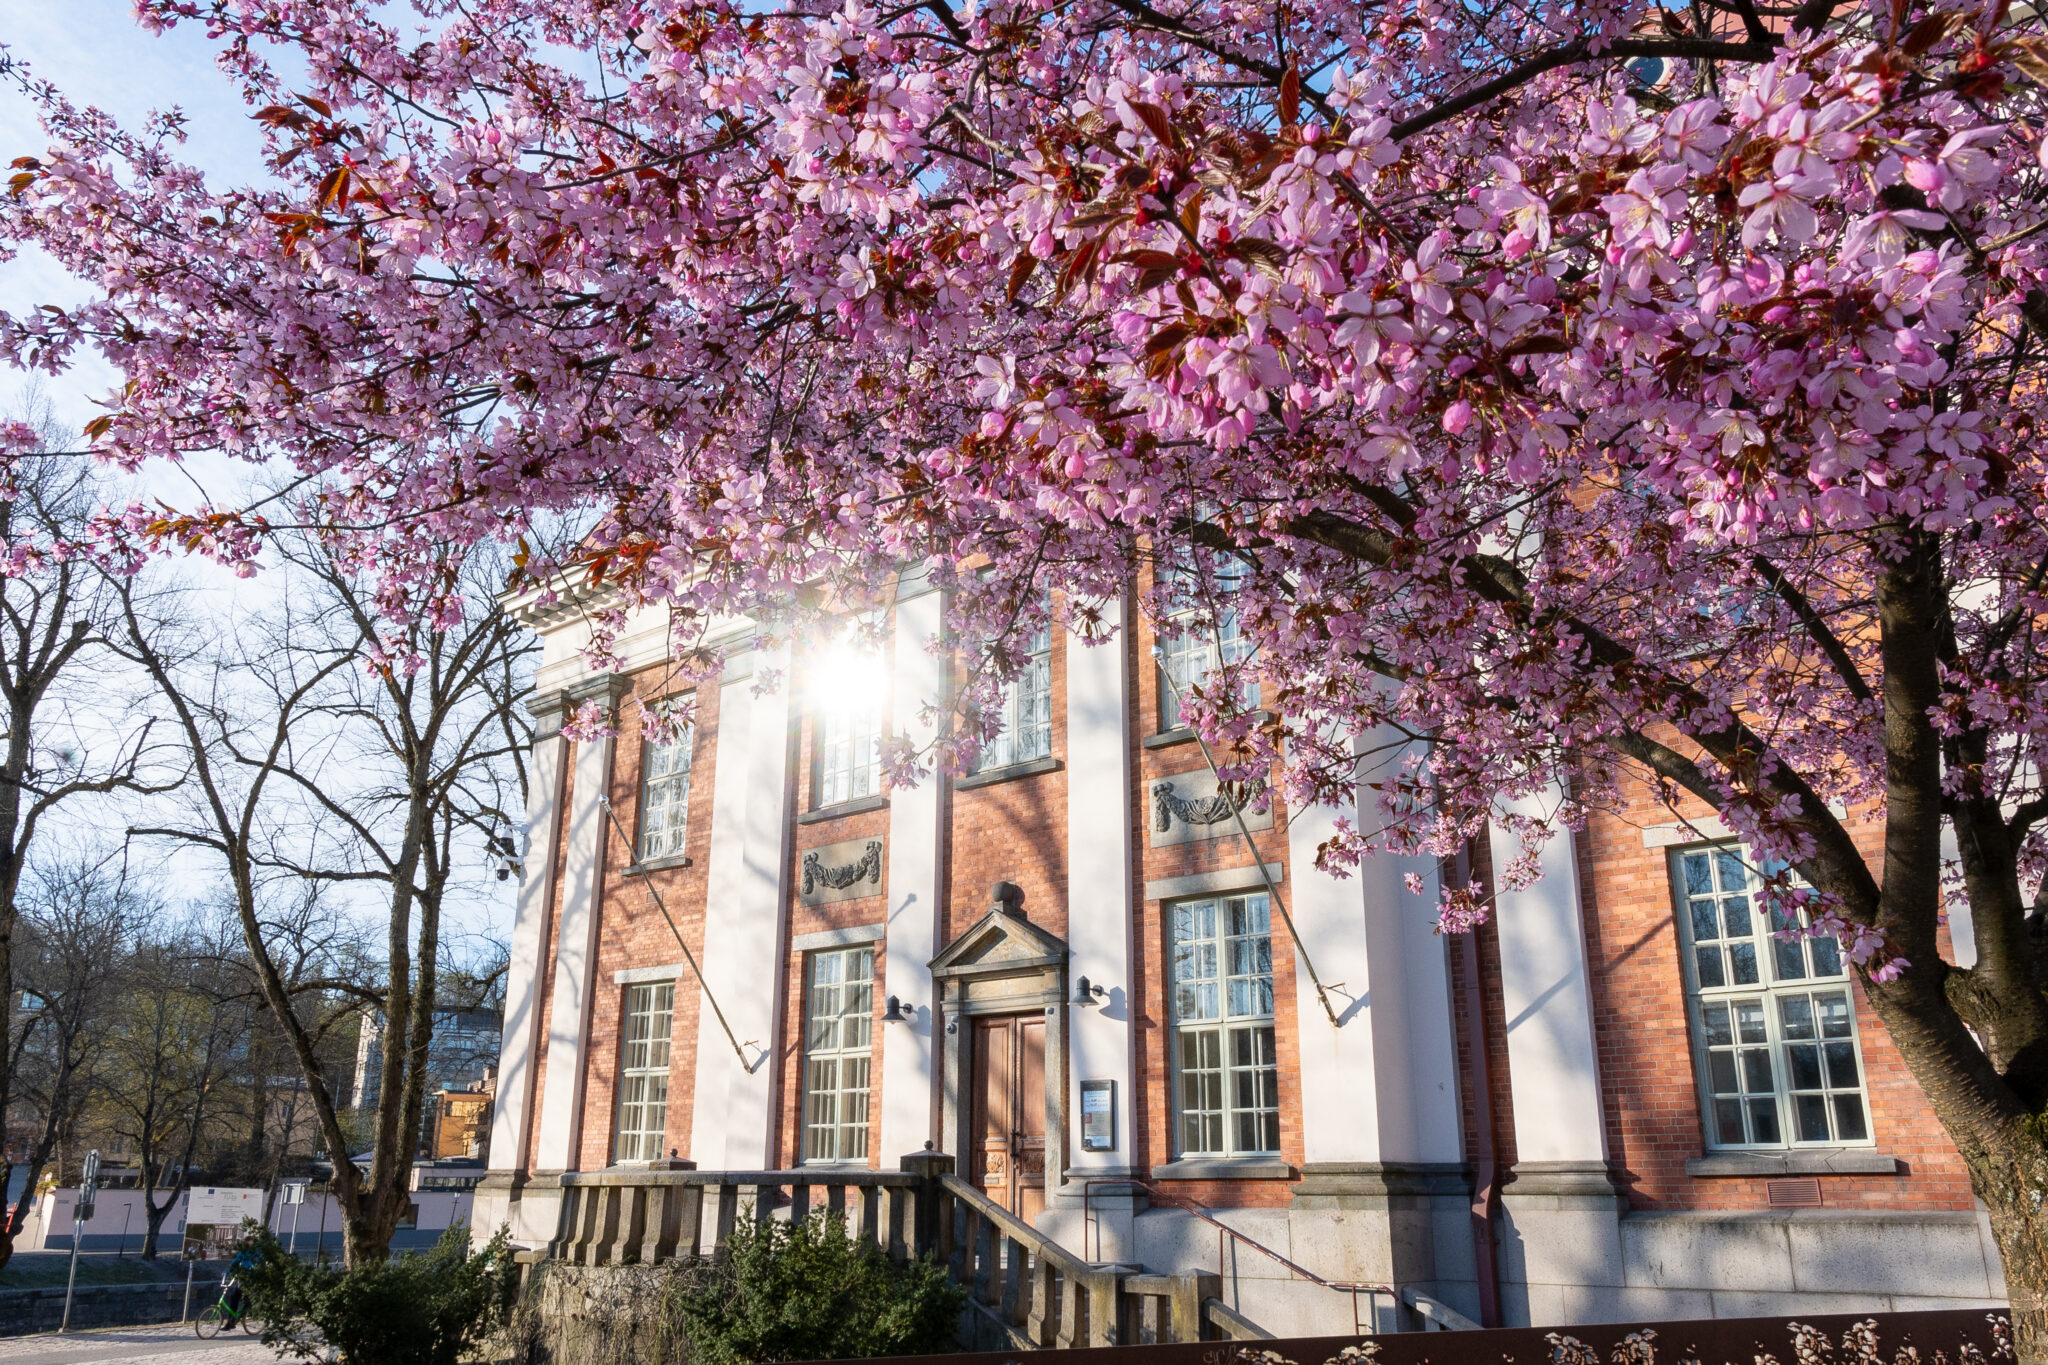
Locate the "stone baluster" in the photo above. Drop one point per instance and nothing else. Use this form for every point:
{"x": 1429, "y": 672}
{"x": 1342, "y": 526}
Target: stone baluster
{"x": 728, "y": 1214}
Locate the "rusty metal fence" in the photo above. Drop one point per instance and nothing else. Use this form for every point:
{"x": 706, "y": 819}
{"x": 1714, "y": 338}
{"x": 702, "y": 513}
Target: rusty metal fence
{"x": 1956, "y": 1336}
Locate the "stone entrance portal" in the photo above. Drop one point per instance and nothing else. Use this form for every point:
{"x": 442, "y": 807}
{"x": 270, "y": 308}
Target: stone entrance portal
{"x": 1002, "y": 989}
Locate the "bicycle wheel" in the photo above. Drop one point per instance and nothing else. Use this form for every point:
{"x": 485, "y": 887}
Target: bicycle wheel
{"x": 209, "y": 1323}
{"x": 249, "y": 1323}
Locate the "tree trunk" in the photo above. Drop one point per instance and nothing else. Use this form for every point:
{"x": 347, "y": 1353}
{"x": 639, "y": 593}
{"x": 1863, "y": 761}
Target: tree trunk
{"x": 153, "y": 1220}
{"x": 2009, "y": 1175}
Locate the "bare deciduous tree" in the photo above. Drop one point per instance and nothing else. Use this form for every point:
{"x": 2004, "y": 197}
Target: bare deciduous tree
{"x": 55, "y": 611}
{"x": 328, "y": 745}
{"x": 80, "y": 917}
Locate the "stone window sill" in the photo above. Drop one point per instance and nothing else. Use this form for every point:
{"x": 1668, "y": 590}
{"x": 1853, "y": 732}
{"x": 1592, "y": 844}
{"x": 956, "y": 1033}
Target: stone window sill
{"x": 988, "y": 777}
{"x": 860, "y": 805}
{"x": 1224, "y": 1168}
{"x": 1166, "y": 739}
{"x": 660, "y": 864}
{"x": 1820, "y": 1161}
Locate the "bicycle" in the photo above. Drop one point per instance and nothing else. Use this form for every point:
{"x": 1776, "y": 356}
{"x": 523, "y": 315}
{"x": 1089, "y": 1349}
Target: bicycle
{"x": 224, "y": 1316}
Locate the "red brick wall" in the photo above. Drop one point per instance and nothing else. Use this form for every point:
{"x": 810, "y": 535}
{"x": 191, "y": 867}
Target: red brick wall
{"x": 1153, "y": 1142}
{"x": 631, "y": 931}
{"x": 1652, "y": 1100}
{"x": 1014, "y": 831}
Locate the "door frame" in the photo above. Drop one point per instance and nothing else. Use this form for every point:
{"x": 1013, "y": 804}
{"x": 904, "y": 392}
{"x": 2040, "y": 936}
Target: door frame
{"x": 1004, "y": 964}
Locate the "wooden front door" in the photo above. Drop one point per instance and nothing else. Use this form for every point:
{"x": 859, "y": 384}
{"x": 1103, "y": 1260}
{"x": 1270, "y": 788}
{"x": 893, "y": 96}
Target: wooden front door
{"x": 1009, "y": 1112}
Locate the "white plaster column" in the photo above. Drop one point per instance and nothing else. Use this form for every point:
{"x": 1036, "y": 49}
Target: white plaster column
{"x": 1100, "y": 922}
{"x": 1382, "y": 1087}
{"x": 914, "y": 890}
{"x": 568, "y": 1050}
{"x": 1546, "y": 990}
{"x": 732, "y": 1121}
{"x": 512, "y": 1115}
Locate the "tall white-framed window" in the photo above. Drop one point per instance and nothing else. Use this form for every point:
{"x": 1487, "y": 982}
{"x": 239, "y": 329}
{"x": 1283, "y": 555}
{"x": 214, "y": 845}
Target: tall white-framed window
{"x": 643, "y": 1071}
{"x": 1773, "y": 1021}
{"x": 1226, "y": 1075}
{"x": 839, "y": 1002}
{"x": 665, "y": 796}
{"x": 849, "y": 688}
{"x": 1027, "y": 711}
{"x": 1191, "y": 650}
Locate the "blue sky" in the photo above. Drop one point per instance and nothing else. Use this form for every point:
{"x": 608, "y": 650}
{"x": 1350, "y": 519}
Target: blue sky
{"x": 94, "y": 51}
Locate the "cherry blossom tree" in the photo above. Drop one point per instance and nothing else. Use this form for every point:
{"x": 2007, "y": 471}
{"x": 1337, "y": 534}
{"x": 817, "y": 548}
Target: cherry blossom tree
{"x": 1576, "y": 392}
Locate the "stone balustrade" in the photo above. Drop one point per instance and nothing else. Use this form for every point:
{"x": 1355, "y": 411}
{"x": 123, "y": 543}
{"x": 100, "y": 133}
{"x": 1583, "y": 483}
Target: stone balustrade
{"x": 1025, "y": 1291}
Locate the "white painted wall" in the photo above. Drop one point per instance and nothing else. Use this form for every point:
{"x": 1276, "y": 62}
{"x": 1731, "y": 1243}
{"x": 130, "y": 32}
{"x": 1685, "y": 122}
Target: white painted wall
{"x": 561, "y": 1109}
{"x": 1100, "y": 917}
{"x": 513, "y": 1107}
{"x": 1553, "y": 1061}
{"x": 1383, "y": 1085}
{"x": 743, "y": 928}
{"x": 913, "y": 886}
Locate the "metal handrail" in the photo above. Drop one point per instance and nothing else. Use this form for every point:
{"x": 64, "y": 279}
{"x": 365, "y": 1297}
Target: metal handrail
{"x": 1202, "y": 1212}
{"x": 1224, "y": 1229}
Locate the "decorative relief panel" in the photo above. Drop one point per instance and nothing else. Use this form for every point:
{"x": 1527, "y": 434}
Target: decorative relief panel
{"x": 839, "y": 872}
{"x": 1190, "y": 806}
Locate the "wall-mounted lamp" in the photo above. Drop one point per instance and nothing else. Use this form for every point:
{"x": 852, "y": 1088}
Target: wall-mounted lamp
{"x": 1085, "y": 994}
{"x": 899, "y": 1013}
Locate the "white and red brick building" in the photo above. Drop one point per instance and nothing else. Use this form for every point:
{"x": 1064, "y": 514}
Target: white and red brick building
{"x": 1680, "y": 1119}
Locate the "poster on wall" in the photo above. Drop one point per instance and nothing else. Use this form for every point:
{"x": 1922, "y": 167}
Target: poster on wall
{"x": 1098, "y": 1116}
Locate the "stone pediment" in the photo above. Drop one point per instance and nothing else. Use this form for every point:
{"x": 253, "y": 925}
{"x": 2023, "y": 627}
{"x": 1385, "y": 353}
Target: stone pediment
{"x": 1000, "y": 943}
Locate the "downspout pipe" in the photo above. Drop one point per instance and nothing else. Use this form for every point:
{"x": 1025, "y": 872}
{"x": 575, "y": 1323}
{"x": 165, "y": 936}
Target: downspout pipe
{"x": 1486, "y": 1166}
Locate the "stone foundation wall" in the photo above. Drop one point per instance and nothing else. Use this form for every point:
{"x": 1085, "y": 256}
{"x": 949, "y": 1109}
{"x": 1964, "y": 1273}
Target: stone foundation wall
{"x": 23, "y": 1311}
{"x": 593, "y": 1315}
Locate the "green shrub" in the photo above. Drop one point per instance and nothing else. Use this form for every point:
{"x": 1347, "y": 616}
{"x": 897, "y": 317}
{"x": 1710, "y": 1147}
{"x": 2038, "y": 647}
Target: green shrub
{"x": 411, "y": 1310}
{"x": 807, "y": 1291}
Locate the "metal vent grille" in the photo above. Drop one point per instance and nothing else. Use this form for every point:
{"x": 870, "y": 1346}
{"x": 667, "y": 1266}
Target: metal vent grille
{"x": 1793, "y": 1194}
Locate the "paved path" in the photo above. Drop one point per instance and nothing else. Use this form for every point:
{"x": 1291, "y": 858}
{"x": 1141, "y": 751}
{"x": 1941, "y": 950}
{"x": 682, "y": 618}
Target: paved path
{"x": 170, "y": 1344}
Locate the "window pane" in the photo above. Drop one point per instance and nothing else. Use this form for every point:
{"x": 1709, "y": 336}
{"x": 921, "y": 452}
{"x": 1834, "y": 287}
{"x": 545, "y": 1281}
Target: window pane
{"x": 1728, "y": 869}
{"x": 1749, "y": 1021}
{"x": 1704, "y": 926}
{"x": 1785, "y": 1058}
{"x": 643, "y": 1072}
{"x": 1222, "y": 969}
{"x": 1763, "y": 1121}
{"x": 1026, "y": 714}
{"x": 1728, "y": 1122}
{"x": 1715, "y": 1018}
{"x": 839, "y": 1009}
{"x": 1827, "y": 956}
{"x": 665, "y": 797}
{"x": 1812, "y": 1111}
{"x": 1735, "y": 913}
{"x": 1849, "y": 1119}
